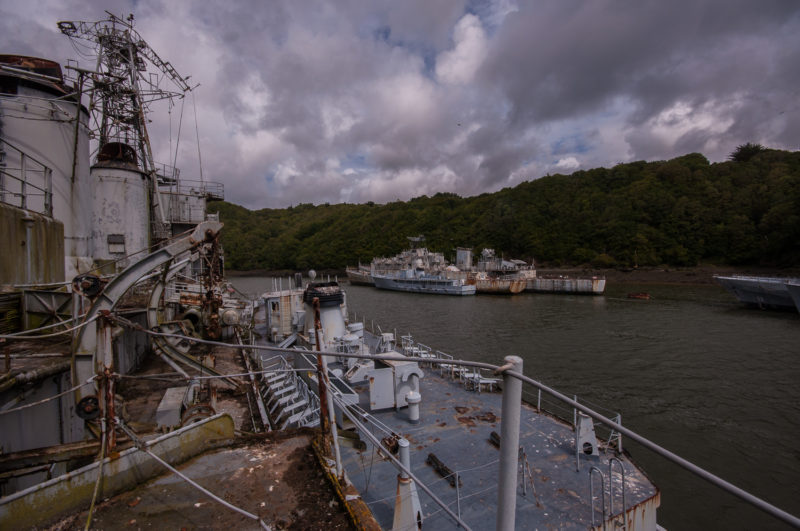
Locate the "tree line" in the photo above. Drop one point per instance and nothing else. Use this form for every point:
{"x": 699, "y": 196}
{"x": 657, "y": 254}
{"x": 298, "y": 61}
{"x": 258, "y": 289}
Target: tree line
{"x": 679, "y": 212}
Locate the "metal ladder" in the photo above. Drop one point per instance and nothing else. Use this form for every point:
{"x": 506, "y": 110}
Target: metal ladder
{"x": 608, "y": 514}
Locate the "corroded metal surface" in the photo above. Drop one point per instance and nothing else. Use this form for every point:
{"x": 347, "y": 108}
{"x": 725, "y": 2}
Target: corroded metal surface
{"x": 276, "y": 477}
{"x": 65, "y": 494}
{"x": 359, "y": 512}
{"x": 587, "y": 286}
{"x": 499, "y": 285}
{"x": 359, "y": 276}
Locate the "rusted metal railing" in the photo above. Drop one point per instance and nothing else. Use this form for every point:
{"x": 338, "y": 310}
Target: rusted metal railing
{"x": 28, "y": 186}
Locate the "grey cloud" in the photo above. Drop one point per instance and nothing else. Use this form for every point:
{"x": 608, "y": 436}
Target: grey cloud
{"x": 562, "y": 58}
{"x": 344, "y": 96}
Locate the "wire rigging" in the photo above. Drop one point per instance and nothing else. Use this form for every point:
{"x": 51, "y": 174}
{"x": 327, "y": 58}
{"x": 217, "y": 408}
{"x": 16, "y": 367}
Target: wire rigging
{"x": 197, "y": 136}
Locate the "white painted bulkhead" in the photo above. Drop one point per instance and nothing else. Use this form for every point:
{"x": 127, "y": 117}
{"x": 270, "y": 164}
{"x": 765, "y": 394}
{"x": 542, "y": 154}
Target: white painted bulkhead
{"x": 186, "y": 208}
{"x": 332, "y": 322}
{"x": 42, "y": 126}
{"x": 121, "y": 215}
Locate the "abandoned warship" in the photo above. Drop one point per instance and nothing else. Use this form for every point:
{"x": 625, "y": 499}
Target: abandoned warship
{"x": 139, "y": 389}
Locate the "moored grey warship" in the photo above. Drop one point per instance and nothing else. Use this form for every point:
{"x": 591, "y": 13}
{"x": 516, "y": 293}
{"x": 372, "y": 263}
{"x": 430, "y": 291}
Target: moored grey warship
{"x": 771, "y": 293}
{"x": 419, "y": 270}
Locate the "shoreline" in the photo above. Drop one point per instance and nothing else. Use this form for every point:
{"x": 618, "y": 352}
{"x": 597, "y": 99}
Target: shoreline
{"x": 703, "y": 274}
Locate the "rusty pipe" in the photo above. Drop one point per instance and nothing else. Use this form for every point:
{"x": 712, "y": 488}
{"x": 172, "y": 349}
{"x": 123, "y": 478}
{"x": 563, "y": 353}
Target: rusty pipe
{"x": 323, "y": 391}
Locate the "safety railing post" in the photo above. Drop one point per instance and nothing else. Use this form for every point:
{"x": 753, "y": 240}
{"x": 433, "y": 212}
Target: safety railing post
{"x": 509, "y": 445}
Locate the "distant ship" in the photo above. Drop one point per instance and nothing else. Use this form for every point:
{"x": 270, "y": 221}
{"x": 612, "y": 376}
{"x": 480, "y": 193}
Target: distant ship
{"x": 585, "y": 286}
{"x": 360, "y": 275}
{"x": 771, "y": 293}
{"x": 417, "y": 281}
{"x": 491, "y": 274}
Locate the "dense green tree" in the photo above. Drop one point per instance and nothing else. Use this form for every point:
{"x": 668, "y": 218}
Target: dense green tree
{"x": 745, "y": 152}
{"x": 677, "y": 212}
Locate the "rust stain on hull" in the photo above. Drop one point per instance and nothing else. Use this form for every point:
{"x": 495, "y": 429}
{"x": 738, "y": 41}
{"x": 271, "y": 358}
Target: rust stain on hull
{"x": 359, "y": 512}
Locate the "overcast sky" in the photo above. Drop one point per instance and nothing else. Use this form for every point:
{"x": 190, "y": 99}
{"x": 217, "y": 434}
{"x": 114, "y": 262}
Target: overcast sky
{"x": 355, "y": 100}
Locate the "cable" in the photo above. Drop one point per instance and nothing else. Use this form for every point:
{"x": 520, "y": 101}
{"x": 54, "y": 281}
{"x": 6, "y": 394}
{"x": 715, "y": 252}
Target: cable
{"x": 431, "y": 515}
{"x": 207, "y": 492}
{"x": 141, "y": 446}
{"x": 201, "y": 377}
{"x": 178, "y": 137}
{"x": 147, "y": 376}
{"x": 99, "y": 476}
{"x": 422, "y": 485}
{"x": 134, "y": 253}
{"x": 26, "y": 406}
{"x": 381, "y": 357}
{"x": 247, "y": 296}
{"x": 197, "y": 136}
{"x": 55, "y": 334}
{"x": 46, "y": 327}
{"x": 169, "y": 112}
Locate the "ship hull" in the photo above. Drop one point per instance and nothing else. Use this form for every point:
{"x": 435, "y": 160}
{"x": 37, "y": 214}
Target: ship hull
{"x": 761, "y": 292}
{"x": 585, "y": 286}
{"x": 431, "y": 285}
{"x": 359, "y": 277}
{"x": 794, "y": 292}
{"x": 500, "y": 286}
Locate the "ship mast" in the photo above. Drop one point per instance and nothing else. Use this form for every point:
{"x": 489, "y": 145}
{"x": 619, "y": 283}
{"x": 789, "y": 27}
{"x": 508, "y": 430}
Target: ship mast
{"x": 124, "y": 86}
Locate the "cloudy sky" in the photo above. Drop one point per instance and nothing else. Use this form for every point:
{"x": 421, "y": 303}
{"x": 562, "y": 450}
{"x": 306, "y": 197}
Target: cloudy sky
{"x": 357, "y": 100}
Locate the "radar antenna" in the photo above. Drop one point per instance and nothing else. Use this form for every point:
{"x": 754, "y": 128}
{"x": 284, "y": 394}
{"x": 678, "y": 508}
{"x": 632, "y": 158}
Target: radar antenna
{"x": 128, "y": 77}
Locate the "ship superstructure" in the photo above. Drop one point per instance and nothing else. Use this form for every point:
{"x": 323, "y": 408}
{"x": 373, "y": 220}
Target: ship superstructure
{"x": 76, "y": 160}
{"x": 93, "y": 225}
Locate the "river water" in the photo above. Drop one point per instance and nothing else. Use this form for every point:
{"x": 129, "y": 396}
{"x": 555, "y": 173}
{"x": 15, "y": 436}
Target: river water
{"x": 690, "y": 369}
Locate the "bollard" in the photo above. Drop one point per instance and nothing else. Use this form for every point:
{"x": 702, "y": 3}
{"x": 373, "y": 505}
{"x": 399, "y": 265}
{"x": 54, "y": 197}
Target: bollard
{"x": 413, "y": 398}
{"x": 407, "y": 509}
{"x": 405, "y": 456}
{"x": 509, "y": 446}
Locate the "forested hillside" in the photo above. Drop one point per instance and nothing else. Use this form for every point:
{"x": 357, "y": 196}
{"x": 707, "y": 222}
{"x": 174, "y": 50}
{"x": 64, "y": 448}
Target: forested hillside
{"x": 678, "y": 212}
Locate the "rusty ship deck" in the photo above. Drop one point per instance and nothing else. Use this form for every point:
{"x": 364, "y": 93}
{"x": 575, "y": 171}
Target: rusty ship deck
{"x": 456, "y": 425}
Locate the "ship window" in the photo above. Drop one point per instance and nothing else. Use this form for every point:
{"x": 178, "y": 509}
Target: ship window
{"x": 116, "y": 243}
{"x": 8, "y": 85}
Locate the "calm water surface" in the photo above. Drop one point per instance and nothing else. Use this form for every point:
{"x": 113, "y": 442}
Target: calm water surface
{"x": 691, "y": 370}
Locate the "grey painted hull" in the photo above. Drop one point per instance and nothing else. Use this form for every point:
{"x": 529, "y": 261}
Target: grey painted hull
{"x": 587, "y": 286}
{"x": 762, "y": 292}
{"x": 432, "y": 285}
{"x": 794, "y": 292}
{"x": 355, "y": 276}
